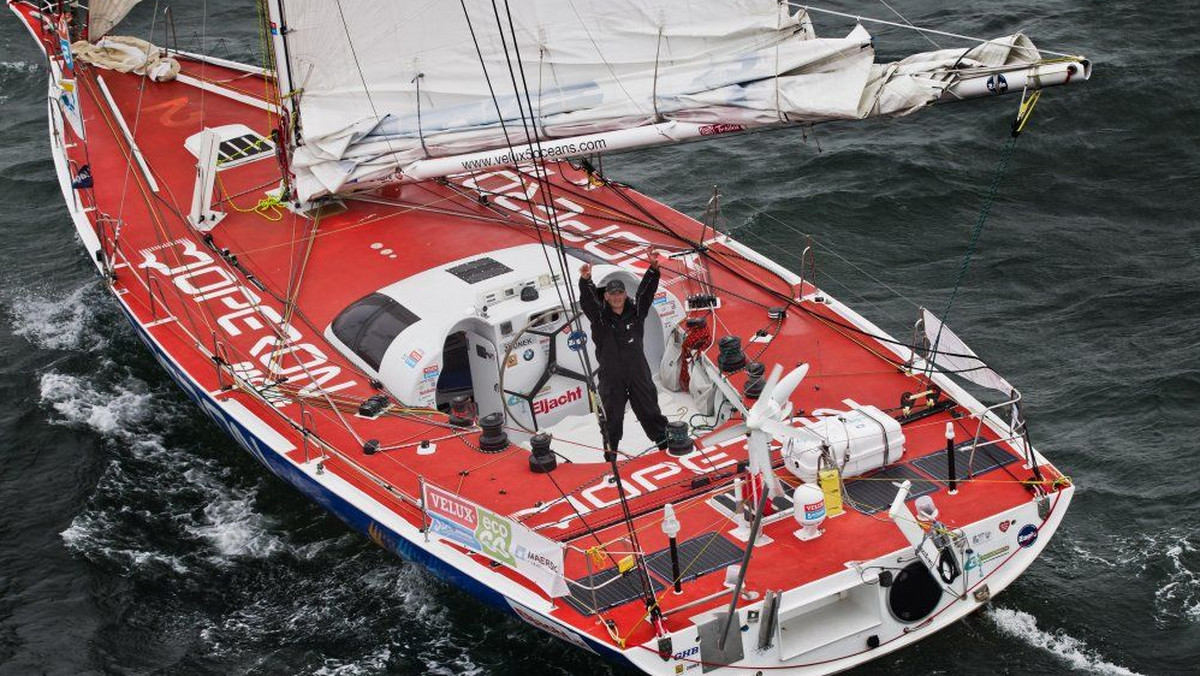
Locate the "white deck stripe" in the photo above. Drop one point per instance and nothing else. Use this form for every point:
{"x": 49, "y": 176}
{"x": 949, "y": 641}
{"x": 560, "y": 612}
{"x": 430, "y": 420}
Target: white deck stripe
{"x": 159, "y": 322}
{"x": 137, "y": 152}
{"x": 228, "y": 93}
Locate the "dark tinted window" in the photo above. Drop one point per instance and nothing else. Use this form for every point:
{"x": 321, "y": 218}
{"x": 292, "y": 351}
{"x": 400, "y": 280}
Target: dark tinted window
{"x": 369, "y": 326}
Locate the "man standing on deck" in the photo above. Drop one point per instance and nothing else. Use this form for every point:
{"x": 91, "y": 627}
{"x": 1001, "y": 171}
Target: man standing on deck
{"x": 617, "y": 327}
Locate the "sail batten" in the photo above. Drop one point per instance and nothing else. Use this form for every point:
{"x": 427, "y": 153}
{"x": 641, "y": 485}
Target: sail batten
{"x": 386, "y": 90}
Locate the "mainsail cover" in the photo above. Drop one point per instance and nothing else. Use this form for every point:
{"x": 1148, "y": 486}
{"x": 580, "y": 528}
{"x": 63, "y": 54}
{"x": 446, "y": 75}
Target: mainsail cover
{"x": 356, "y": 67}
{"x": 104, "y": 15}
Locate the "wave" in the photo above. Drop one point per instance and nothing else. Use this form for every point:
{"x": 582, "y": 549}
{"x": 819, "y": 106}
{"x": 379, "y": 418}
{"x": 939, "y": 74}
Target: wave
{"x": 1074, "y": 652}
{"x": 231, "y": 525}
{"x": 22, "y": 67}
{"x": 1167, "y": 560}
{"x": 1180, "y": 596}
{"x": 151, "y": 492}
{"x": 119, "y": 412}
{"x": 68, "y": 322}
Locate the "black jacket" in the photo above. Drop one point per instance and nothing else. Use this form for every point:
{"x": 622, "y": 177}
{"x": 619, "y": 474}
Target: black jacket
{"x": 618, "y": 339}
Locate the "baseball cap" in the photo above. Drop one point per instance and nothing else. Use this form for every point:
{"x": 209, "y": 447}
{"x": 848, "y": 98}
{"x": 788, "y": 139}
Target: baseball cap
{"x": 614, "y": 285}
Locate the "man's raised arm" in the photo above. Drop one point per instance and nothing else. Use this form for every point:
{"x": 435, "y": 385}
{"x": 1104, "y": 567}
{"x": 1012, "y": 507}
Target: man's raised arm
{"x": 648, "y": 287}
{"x": 589, "y": 297}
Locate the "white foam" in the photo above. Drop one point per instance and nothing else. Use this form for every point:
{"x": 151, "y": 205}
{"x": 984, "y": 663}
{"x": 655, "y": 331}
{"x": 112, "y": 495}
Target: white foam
{"x": 84, "y": 536}
{"x": 118, "y": 412}
{"x": 19, "y": 67}
{"x": 1171, "y": 554}
{"x": 374, "y": 663}
{"x": 232, "y": 526}
{"x": 1023, "y": 626}
{"x": 59, "y": 322}
{"x": 1181, "y": 595}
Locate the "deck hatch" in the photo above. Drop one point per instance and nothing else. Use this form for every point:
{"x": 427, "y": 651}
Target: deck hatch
{"x": 874, "y": 492}
{"x": 624, "y": 590}
{"x": 697, "y": 556}
{"x": 987, "y": 459}
{"x": 478, "y": 270}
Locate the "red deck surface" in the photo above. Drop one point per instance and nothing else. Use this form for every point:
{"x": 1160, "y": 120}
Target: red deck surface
{"x": 431, "y": 224}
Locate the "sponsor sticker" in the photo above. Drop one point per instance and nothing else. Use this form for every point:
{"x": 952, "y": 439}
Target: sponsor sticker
{"x": 1027, "y": 535}
{"x": 814, "y": 510}
{"x": 549, "y": 626}
{"x": 547, "y": 404}
{"x": 577, "y": 340}
{"x": 459, "y": 520}
{"x": 994, "y": 554}
{"x": 981, "y": 538}
{"x": 413, "y": 358}
{"x": 431, "y": 372}
{"x": 713, "y": 129}
{"x": 527, "y": 355}
{"x": 1004, "y": 525}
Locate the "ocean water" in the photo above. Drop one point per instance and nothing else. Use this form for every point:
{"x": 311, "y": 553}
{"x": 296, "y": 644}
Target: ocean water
{"x": 136, "y": 538}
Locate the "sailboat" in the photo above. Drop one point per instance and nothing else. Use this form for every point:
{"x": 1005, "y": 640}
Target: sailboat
{"x": 360, "y": 258}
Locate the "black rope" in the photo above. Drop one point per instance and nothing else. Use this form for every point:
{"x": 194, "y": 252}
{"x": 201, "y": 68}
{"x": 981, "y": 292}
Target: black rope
{"x": 997, "y": 177}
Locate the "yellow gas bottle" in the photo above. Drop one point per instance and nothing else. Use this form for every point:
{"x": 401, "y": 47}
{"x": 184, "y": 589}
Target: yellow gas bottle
{"x": 831, "y": 486}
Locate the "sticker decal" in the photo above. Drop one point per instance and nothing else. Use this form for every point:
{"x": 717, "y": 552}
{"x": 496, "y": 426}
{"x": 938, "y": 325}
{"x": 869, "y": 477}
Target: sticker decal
{"x": 549, "y": 626}
{"x": 1027, "y": 535}
{"x": 577, "y": 340}
{"x": 544, "y": 406}
{"x": 996, "y": 84}
{"x": 994, "y": 554}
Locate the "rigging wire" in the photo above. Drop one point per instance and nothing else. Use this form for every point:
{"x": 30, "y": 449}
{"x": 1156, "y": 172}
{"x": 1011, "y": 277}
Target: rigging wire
{"x": 988, "y": 201}
{"x": 542, "y": 175}
{"x": 905, "y": 20}
{"x": 923, "y": 30}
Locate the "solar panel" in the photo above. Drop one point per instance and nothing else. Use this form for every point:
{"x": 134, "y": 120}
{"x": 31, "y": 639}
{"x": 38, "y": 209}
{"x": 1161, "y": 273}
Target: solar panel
{"x": 986, "y": 459}
{"x": 697, "y": 556}
{"x": 473, "y": 272}
{"x": 242, "y": 148}
{"x": 874, "y": 492}
{"x": 590, "y": 601}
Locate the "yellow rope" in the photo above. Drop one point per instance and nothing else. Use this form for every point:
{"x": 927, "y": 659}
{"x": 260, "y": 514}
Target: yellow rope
{"x": 1025, "y": 111}
{"x": 268, "y": 207}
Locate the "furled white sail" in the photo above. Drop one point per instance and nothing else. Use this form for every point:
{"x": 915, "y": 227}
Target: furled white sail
{"x": 673, "y": 69}
{"x": 954, "y": 356}
{"x": 104, "y": 15}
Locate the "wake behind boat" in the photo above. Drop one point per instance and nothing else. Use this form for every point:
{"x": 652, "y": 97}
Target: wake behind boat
{"x": 361, "y": 261}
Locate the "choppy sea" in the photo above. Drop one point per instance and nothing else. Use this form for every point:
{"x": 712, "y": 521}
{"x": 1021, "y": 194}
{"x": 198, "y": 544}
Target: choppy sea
{"x": 135, "y": 538}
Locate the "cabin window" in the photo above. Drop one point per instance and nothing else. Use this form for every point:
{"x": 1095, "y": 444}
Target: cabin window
{"x": 369, "y": 326}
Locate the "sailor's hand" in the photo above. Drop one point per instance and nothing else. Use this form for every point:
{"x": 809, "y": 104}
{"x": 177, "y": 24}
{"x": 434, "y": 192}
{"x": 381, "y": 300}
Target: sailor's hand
{"x": 653, "y": 259}
{"x": 585, "y": 272}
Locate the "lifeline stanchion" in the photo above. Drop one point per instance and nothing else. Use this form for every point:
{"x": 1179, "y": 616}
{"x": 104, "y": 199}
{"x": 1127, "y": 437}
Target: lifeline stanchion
{"x": 670, "y": 527}
{"x": 953, "y": 484}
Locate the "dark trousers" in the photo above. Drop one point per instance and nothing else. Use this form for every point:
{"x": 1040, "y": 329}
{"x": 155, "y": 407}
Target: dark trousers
{"x": 636, "y": 389}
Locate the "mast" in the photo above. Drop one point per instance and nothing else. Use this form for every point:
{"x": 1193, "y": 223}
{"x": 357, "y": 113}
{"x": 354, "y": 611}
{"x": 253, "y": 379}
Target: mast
{"x": 290, "y": 122}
